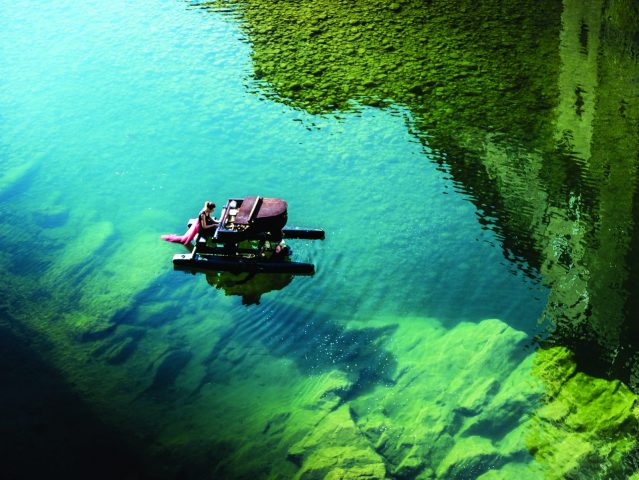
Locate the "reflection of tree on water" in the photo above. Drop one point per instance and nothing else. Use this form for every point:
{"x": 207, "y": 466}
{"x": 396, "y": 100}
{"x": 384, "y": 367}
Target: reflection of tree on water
{"x": 531, "y": 106}
{"x": 250, "y": 286}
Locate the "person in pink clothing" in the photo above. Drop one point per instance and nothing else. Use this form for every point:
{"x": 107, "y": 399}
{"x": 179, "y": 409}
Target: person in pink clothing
{"x": 205, "y": 226}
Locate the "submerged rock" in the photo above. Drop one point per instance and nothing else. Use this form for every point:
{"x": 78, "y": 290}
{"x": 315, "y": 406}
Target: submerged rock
{"x": 434, "y": 417}
{"x": 472, "y": 402}
{"x": 89, "y": 328}
{"x": 15, "y": 179}
{"x": 336, "y": 450}
{"x": 469, "y": 457}
{"x": 120, "y": 351}
{"x": 586, "y": 426}
{"x": 167, "y": 371}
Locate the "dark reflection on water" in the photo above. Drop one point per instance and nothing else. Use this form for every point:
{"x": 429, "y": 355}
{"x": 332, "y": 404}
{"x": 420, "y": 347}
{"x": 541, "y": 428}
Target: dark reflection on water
{"x": 315, "y": 343}
{"x": 532, "y": 107}
{"x": 249, "y": 286}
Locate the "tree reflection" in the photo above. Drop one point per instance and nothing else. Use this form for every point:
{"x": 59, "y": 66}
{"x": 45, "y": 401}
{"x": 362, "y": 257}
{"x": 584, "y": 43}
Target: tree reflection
{"x": 534, "y": 111}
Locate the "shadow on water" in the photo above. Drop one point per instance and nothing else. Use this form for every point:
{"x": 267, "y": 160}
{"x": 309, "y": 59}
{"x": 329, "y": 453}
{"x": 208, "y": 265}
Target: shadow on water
{"x": 131, "y": 325}
{"x": 314, "y": 342}
{"x": 248, "y": 285}
{"x": 168, "y": 367}
{"x": 158, "y": 293}
{"x": 533, "y": 109}
{"x": 122, "y": 345}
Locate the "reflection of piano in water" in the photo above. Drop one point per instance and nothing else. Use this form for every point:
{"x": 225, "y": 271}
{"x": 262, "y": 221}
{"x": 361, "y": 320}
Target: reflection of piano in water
{"x": 250, "y": 286}
{"x": 249, "y": 283}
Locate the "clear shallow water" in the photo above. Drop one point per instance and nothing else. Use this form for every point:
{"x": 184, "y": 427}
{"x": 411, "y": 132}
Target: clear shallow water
{"x": 117, "y": 122}
{"x": 136, "y": 131}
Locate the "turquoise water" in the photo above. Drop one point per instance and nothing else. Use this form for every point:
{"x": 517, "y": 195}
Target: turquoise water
{"x": 136, "y": 130}
{"x": 117, "y": 120}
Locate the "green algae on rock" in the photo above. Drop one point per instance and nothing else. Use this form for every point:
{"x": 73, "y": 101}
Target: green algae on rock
{"x": 587, "y": 427}
{"x": 424, "y": 422}
{"x": 462, "y": 405}
{"x": 466, "y": 402}
{"x": 451, "y": 384}
{"x": 13, "y": 177}
{"x": 449, "y": 67}
{"x": 336, "y": 449}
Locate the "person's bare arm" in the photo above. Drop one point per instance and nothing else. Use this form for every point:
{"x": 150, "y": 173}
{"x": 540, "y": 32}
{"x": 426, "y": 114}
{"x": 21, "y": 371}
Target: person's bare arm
{"x": 203, "y": 222}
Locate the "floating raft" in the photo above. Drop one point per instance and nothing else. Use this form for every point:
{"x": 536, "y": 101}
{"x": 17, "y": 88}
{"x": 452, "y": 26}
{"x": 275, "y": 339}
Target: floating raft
{"x": 250, "y": 219}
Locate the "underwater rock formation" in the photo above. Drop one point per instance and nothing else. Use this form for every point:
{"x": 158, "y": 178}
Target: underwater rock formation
{"x": 336, "y": 449}
{"x": 458, "y": 405}
{"x": 587, "y": 427}
{"x": 468, "y": 402}
{"x": 16, "y": 178}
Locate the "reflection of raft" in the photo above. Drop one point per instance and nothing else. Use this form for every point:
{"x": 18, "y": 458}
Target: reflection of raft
{"x": 245, "y": 240}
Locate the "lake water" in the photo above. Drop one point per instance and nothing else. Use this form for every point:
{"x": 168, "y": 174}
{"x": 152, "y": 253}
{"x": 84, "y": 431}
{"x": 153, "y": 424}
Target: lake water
{"x": 454, "y": 327}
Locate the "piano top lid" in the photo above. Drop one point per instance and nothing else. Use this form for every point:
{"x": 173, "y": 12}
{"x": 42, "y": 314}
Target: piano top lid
{"x": 268, "y": 208}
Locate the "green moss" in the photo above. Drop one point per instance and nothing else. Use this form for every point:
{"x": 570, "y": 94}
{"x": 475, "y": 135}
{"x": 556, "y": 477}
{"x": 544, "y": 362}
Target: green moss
{"x": 449, "y": 409}
{"x": 519, "y": 471}
{"x": 336, "y": 449}
{"x": 451, "y": 68}
{"x": 586, "y": 426}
